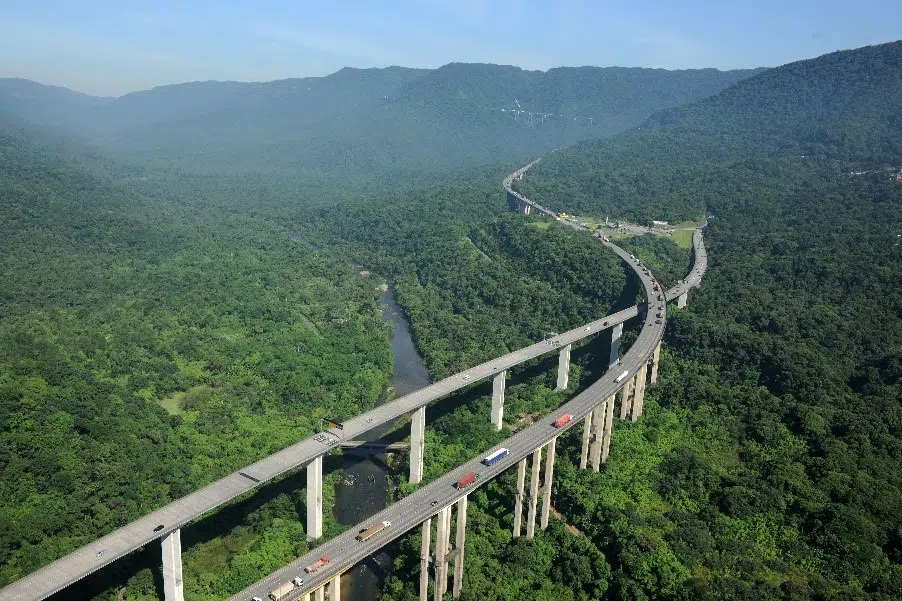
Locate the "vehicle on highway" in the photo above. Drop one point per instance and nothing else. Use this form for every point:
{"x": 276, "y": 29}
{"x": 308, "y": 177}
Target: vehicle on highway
{"x": 434, "y": 503}
{"x": 101, "y": 552}
{"x": 466, "y": 480}
{"x": 466, "y": 376}
{"x": 313, "y": 567}
{"x": 622, "y": 376}
{"x": 368, "y": 533}
{"x": 280, "y": 592}
{"x": 495, "y": 457}
{"x": 588, "y": 328}
{"x": 562, "y": 420}
{"x": 658, "y": 321}
{"x": 158, "y": 528}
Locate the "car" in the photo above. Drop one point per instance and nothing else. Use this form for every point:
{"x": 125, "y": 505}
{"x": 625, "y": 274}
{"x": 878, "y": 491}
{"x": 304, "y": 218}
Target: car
{"x": 158, "y": 528}
{"x": 466, "y": 376}
{"x": 256, "y": 599}
{"x": 605, "y": 323}
{"x": 658, "y": 321}
{"x": 101, "y": 552}
{"x": 434, "y": 502}
{"x": 588, "y": 329}
{"x": 297, "y": 581}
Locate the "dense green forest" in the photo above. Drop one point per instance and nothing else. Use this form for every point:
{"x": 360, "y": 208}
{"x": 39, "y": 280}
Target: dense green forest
{"x": 150, "y": 347}
{"x": 766, "y": 462}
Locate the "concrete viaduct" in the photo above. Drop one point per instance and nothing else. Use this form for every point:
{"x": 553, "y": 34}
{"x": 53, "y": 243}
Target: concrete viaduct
{"x": 593, "y": 408}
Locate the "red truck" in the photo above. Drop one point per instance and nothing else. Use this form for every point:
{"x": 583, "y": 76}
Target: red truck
{"x": 317, "y": 564}
{"x": 466, "y": 480}
{"x": 559, "y": 422}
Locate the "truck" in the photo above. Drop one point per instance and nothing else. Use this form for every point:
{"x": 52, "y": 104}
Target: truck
{"x": 466, "y": 480}
{"x": 317, "y": 564}
{"x": 368, "y": 533}
{"x": 280, "y": 592}
{"x": 495, "y": 457}
{"x": 559, "y": 422}
{"x": 622, "y": 377}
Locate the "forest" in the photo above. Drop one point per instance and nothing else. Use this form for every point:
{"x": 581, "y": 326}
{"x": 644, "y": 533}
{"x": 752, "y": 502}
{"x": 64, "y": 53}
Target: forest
{"x": 163, "y": 328}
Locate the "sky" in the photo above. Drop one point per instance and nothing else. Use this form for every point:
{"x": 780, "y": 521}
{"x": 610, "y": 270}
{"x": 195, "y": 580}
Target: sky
{"x": 110, "y": 48}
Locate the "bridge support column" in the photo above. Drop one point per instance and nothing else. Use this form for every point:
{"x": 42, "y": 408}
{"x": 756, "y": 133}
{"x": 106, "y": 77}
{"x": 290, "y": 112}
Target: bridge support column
{"x": 459, "y": 542}
{"x": 417, "y": 444}
{"x": 335, "y": 588}
{"x": 518, "y": 503}
{"x": 616, "y": 333}
{"x": 533, "y": 492}
{"x": 587, "y": 436}
{"x": 498, "y": 399}
{"x": 608, "y": 429}
{"x": 424, "y": 559}
{"x": 320, "y": 594}
{"x": 315, "y": 498}
{"x": 625, "y": 399}
{"x": 172, "y": 566}
{"x": 681, "y": 300}
{"x": 549, "y": 478}
{"x": 655, "y": 359}
{"x": 597, "y": 433}
{"x": 563, "y": 368}
{"x": 639, "y": 394}
{"x": 442, "y": 542}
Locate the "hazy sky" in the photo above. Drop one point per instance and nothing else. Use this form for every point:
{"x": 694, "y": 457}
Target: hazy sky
{"x": 111, "y": 47}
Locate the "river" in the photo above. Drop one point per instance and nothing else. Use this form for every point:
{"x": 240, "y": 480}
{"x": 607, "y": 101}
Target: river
{"x": 363, "y": 489}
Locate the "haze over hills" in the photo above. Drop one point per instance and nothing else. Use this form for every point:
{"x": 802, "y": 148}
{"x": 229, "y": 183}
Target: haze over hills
{"x": 358, "y": 121}
{"x": 842, "y": 107}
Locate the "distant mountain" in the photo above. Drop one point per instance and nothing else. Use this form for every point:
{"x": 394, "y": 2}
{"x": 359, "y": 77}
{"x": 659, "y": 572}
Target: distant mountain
{"x": 360, "y": 120}
{"x": 843, "y": 107}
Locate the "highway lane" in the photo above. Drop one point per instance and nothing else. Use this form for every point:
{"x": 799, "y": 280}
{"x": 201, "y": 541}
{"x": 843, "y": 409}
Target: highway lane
{"x": 99, "y": 553}
{"x": 345, "y": 551}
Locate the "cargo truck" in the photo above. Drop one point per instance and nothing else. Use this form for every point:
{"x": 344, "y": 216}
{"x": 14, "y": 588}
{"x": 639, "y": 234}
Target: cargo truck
{"x": 495, "y": 457}
{"x": 282, "y": 591}
{"x": 372, "y": 531}
{"x": 559, "y": 422}
{"x": 317, "y": 564}
{"x": 622, "y": 376}
{"x": 466, "y": 480}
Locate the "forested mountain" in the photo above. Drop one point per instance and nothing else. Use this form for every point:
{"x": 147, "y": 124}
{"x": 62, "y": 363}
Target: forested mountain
{"x": 765, "y": 465}
{"x": 358, "y": 121}
{"x": 151, "y": 345}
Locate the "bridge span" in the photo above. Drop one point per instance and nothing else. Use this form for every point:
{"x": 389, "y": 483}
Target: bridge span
{"x": 593, "y": 408}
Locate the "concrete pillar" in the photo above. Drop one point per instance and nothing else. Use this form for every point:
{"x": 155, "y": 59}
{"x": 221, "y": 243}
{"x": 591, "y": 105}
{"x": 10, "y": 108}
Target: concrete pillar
{"x": 616, "y": 333}
{"x": 681, "y": 300}
{"x": 533, "y": 492}
{"x": 307, "y": 596}
{"x": 172, "y": 566}
{"x": 315, "y": 498}
{"x": 320, "y": 594}
{"x": 424, "y": 559}
{"x": 518, "y": 504}
{"x": 498, "y": 399}
{"x": 587, "y": 436}
{"x": 625, "y": 400}
{"x": 597, "y": 429}
{"x": 549, "y": 478}
{"x": 655, "y": 359}
{"x": 639, "y": 394}
{"x": 608, "y": 429}
{"x": 417, "y": 444}
{"x": 459, "y": 547}
{"x": 441, "y": 549}
{"x": 335, "y": 588}
{"x": 563, "y": 368}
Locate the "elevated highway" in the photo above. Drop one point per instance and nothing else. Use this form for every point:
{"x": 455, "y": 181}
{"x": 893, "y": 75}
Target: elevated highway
{"x": 165, "y": 523}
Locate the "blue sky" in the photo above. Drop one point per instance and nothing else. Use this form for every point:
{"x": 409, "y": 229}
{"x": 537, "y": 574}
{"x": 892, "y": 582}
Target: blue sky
{"x": 112, "y": 47}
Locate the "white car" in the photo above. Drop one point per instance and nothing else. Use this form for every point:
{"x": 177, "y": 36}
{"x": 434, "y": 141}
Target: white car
{"x": 466, "y": 376}
{"x": 588, "y": 329}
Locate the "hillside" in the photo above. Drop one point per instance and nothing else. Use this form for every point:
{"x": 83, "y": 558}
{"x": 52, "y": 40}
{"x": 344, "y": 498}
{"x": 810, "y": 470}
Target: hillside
{"x": 765, "y": 465}
{"x": 151, "y": 345}
{"x": 365, "y": 120}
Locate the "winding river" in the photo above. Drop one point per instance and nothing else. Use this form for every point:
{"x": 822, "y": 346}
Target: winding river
{"x": 364, "y": 486}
